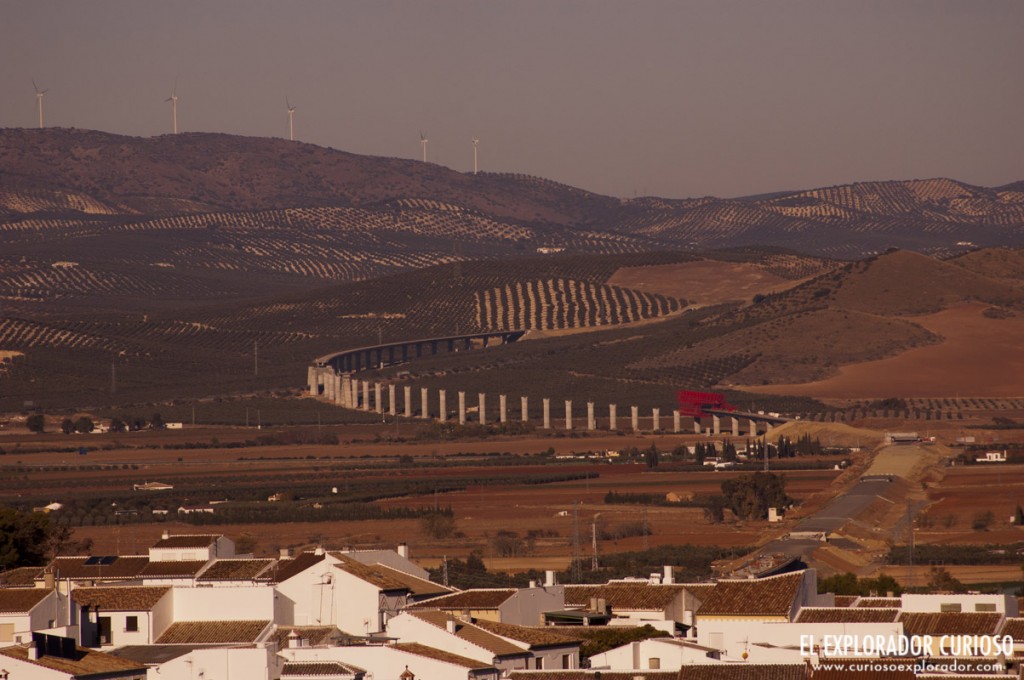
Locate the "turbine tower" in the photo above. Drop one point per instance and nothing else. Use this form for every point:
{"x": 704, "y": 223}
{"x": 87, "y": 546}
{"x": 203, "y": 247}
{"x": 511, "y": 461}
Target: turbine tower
{"x": 39, "y": 102}
{"x": 423, "y": 144}
{"x": 173, "y": 99}
{"x": 291, "y": 120}
{"x": 476, "y": 143}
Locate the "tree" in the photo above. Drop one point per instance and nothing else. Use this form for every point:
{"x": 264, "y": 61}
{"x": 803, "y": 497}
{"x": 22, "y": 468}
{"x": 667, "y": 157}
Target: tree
{"x": 941, "y": 580}
{"x": 246, "y": 544}
{"x": 84, "y": 425}
{"x": 67, "y": 426}
{"x": 26, "y": 538}
{"x": 36, "y": 422}
{"x": 118, "y": 425}
{"x": 651, "y": 456}
{"x": 438, "y": 525}
{"x": 156, "y": 422}
{"x": 750, "y": 496}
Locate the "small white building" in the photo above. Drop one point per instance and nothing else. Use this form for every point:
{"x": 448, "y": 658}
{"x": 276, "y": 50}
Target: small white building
{"x": 24, "y": 610}
{"x": 29, "y": 662}
{"x": 654, "y": 654}
{"x": 992, "y": 457}
{"x": 195, "y": 547}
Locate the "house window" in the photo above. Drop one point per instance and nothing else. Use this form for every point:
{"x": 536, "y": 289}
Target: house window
{"x": 566, "y": 661}
{"x": 6, "y": 632}
{"x": 950, "y": 608}
{"x": 654, "y": 663}
{"x": 131, "y": 624}
{"x": 985, "y": 607}
{"x": 538, "y": 663}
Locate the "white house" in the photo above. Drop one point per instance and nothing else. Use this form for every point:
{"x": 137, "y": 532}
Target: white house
{"x": 304, "y": 589}
{"x": 550, "y": 647}
{"x": 191, "y": 547}
{"x": 519, "y": 606}
{"x": 391, "y": 660}
{"x": 125, "y": 615}
{"x": 24, "y": 610}
{"x": 443, "y": 631}
{"x": 654, "y": 654}
{"x": 962, "y": 602}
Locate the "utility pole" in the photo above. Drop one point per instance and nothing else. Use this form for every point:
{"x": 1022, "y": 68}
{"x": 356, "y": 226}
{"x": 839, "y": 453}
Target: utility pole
{"x": 255, "y": 357}
{"x": 577, "y": 558}
{"x": 593, "y": 538}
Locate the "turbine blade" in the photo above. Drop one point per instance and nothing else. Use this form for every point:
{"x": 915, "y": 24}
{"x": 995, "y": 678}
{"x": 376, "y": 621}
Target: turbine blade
{"x": 34, "y": 86}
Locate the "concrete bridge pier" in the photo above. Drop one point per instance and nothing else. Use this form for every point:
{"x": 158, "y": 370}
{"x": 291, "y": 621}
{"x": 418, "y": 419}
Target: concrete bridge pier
{"x": 366, "y": 395}
{"x": 735, "y": 427}
{"x": 392, "y": 402}
{"x": 353, "y": 399}
{"x": 502, "y": 408}
{"x": 311, "y": 380}
{"x": 524, "y": 405}
{"x": 346, "y": 391}
{"x": 655, "y": 419}
{"x": 329, "y": 387}
{"x": 716, "y": 424}
{"x": 443, "y": 407}
{"x": 408, "y": 401}
{"x": 339, "y": 391}
{"x": 378, "y": 402}
{"x": 462, "y": 408}
{"x": 482, "y": 408}
{"x": 768, "y": 427}
{"x": 676, "y": 417}
{"x": 424, "y": 404}
{"x": 636, "y": 418}
{"x": 611, "y": 417}
{"x": 753, "y": 427}
{"x": 568, "y": 414}
{"x": 547, "y": 414}
{"x": 591, "y": 425}
{"x": 696, "y": 426}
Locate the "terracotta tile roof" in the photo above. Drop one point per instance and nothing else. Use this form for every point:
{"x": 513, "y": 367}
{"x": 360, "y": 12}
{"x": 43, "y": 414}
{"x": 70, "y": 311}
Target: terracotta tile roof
{"x": 476, "y": 598}
{"x": 212, "y": 632}
{"x": 846, "y": 600}
{"x": 417, "y": 586}
{"x": 536, "y": 638}
{"x": 1014, "y": 627}
{"x": 125, "y": 566}
{"x": 950, "y": 623}
{"x": 439, "y": 655}
{"x": 187, "y": 541}
{"x": 173, "y": 569}
{"x": 846, "y": 615}
{"x": 475, "y": 635}
{"x": 88, "y": 662}
{"x": 317, "y": 668}
{"x": 742, "y": 672}
{"x": 125, "y": 598}
{"x": 286, "y": 569}
{"x": 20, "y": 600}
{"x": 699, "y": 590}
{"x": 369, "y": 573}
{"x": 317, "y": 636}
{"x": 20, "y": 577}
{"x": 237, "y": 570}
{"x": 844, "y": 669}
{"x": 771, "y": 596}
{"x": 877, "y": 602}
{"x": 624, "y": 596}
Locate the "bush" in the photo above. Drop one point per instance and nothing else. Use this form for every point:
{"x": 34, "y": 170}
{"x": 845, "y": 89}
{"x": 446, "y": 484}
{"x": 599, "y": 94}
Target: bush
{"x": 36, "y": 422}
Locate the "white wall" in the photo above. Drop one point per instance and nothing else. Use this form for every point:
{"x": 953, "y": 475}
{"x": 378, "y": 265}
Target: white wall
{"x": 243, "y": 603}
{"x": 307, "y": 598}
{"x": 637, "y": 656}
{"x": 384, "y": 662}
{"x": 526, "y": 607}
{"x": 356, "y": 604}
{"x": 50, "y": 608}
{"x": 1004, "y": 604}
{"x": 389, "y": 558}
{"x": 223, "y": 663}
{"x": 738, "y": 635}
{"x": 408, "y": 628}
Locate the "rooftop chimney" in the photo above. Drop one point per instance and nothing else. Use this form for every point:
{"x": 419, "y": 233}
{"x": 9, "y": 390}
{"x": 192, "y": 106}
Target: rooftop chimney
{"x": 670, "y": 576}
{"x": 166, "y": 535}
{"x": 319, "y": 550}
{"x": 549, "y": 577}
{"x": 284, "y": 553}
{"x": 450, "y": 624}
{"x": 533, "y": 584}
{"x": 33, "y": 651}
{"x": 403, "y": 550}
{"x": 295, "y": 640}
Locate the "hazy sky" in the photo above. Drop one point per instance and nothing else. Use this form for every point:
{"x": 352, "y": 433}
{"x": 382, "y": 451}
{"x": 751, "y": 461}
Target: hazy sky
{"x": 666, "y": 98}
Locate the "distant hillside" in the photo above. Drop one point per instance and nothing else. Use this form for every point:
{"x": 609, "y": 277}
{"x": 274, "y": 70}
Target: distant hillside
{"x": 61, "y": 182}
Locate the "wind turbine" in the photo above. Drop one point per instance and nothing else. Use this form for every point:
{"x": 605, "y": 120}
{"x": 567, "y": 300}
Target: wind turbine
{"x": 476, "y": 143}
{"x": 39, "y": 102}
{"x": 173, "y": 99}
{"x": 291, "y": 120}
{"x": 423, "y": 143}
